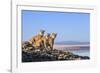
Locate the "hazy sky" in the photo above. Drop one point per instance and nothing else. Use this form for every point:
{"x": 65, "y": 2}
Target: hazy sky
{"x": 69, "y": 26}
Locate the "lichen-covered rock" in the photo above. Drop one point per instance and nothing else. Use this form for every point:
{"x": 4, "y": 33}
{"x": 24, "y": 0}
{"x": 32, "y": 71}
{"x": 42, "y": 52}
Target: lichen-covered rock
{"x": 30, "y": 54}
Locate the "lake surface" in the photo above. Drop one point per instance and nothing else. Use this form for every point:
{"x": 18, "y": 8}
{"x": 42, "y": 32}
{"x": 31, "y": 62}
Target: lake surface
{"x": 80, "y": 50}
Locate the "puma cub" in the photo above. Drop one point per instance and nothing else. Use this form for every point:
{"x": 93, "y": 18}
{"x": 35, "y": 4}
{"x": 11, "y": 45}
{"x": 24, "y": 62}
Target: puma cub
{"x": 37, "y": 41}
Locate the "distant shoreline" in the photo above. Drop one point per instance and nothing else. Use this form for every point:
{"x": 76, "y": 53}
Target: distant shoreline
{"x": 71, "y": 46}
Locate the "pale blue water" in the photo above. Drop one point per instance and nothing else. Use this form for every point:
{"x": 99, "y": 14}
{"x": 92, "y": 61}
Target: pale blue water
{"x": 81, "y": 51}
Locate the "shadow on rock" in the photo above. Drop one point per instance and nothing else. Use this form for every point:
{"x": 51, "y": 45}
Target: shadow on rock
{"x": 30, "y": 54}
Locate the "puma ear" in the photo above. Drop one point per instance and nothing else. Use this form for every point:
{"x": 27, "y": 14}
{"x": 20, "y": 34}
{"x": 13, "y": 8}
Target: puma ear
{"x": 56, "y": 34}
{"x": 42, "y": 31}
{"x": 47, "y": 34}
{"x": 53, "y": 35}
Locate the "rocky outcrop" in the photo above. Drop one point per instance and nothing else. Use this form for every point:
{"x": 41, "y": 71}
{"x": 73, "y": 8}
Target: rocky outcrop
{"x": 30, "y": 54}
